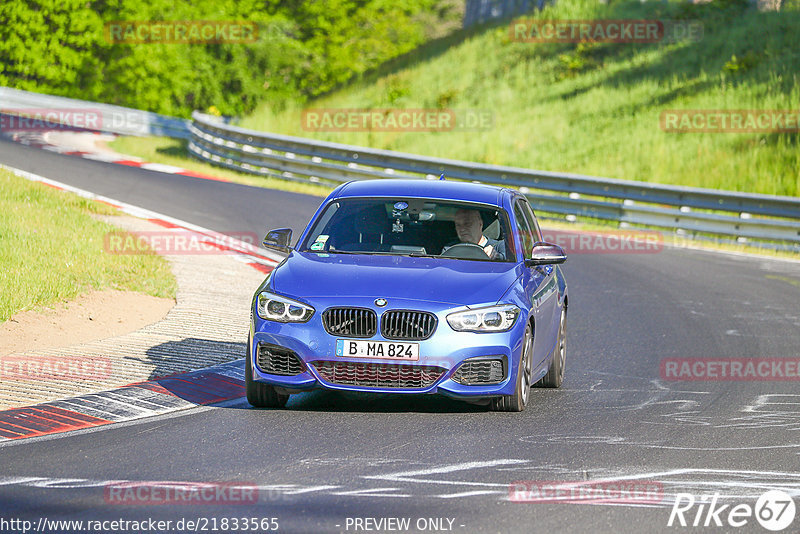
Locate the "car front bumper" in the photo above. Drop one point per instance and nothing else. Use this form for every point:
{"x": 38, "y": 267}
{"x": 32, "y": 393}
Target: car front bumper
{"x": 444, "y": 352}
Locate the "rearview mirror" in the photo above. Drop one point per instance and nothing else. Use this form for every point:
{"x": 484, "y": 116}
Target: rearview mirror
{"x": 546, "y": 254}
{"x": 278, "y": 240}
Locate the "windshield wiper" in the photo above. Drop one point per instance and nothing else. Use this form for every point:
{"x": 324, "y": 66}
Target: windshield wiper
{"x": 333, "y": 252}
{"x": 416, "y": 255}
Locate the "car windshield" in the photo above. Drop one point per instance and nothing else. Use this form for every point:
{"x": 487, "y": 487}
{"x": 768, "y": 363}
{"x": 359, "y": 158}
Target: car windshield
{"x": 412, "y": 227}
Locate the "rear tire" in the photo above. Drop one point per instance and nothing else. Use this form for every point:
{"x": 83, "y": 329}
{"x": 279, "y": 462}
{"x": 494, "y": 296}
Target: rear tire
{"x": 258, "y": 394}
{"x": 555, "y": 374}
{"x": 522, "y": 392}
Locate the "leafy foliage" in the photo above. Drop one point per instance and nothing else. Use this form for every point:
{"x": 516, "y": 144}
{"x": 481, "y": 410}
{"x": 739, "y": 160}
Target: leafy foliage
{"x": 741, "y": 64}
{"x": 595, "y": 108}
{"x": 303, "y": 49}
{"x": 47, "y": 46}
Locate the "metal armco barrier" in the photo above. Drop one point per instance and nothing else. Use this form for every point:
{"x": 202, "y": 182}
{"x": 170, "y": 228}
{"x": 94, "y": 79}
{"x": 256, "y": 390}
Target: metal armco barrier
{"x": 481, "y": 11}
{"x": 113, "y": 119}
{"x": 689, "y": 209}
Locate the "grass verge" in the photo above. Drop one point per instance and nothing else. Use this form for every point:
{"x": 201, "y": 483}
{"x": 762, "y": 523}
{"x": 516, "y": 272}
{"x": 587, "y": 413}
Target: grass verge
{"x": 594, "y": 108}
{"x": 51, "y": 249}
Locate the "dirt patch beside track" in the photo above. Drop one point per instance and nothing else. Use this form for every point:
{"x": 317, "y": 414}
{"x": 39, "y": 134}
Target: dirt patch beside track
{"x": 93, "y": 316}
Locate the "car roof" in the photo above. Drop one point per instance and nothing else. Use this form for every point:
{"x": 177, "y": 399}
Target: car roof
{"x": 438, "y": 189}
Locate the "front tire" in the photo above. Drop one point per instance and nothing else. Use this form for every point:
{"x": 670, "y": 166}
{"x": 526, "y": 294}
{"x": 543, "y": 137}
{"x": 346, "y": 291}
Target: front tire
{"x": 522, "y": 392}
{"x": 555, "y": 374}
{"x": 258, "y": 394}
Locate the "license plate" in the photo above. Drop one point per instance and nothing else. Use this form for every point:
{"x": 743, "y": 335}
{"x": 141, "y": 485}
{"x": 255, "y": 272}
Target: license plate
{"x": 385, "y": 350}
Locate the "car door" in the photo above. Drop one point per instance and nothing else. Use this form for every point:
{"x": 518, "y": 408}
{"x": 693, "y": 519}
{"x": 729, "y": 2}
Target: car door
{"x": 556, "y": 278}
{"x": 539, "y": 283}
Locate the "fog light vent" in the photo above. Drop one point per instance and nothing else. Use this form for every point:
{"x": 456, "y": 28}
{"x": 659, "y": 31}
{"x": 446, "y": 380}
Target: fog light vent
{"x": 275, "y": 360}
{"x": 480, "y": 372}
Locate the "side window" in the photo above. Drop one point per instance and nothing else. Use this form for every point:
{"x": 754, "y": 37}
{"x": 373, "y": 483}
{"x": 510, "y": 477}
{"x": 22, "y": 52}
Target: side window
{"x": 534, "y": 224}
{"x": 524, "y": 229}
{"x": 321, "y": 226}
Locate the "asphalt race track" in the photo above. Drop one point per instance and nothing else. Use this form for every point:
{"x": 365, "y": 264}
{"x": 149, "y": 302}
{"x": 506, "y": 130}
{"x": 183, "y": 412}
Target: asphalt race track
{"x": 328, "y": 460}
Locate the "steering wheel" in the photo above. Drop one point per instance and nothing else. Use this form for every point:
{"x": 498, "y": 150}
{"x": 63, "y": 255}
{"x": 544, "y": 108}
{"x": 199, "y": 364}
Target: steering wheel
{"x": 466, "y": 251}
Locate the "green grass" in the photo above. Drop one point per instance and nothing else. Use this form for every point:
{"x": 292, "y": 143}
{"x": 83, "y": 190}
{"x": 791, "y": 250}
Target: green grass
{"x": 51, "y": 249}
{"x": 594, "y": 108}
{"x": 174, "y": 152}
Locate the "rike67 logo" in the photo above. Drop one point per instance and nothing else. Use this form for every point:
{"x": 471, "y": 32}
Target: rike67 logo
{"x": 774, "y": 510}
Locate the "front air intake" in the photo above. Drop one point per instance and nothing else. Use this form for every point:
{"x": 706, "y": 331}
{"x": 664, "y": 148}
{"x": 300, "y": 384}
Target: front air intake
{"x": 378, "y": 375}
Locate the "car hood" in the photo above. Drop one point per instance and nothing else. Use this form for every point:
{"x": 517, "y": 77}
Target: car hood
{"x": 461, "y": 282}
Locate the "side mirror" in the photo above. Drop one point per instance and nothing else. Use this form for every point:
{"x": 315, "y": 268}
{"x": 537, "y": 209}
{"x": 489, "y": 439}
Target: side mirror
{"x": 278, "y": 240}
{"x": 546, "y": 254}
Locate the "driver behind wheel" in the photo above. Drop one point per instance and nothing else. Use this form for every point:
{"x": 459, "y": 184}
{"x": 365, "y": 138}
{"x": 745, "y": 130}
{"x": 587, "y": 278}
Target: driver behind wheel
{"x": 469, "y": 228}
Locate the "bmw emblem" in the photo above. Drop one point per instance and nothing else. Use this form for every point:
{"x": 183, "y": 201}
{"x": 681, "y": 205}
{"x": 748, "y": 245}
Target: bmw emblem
{"x": 380, "y": 303}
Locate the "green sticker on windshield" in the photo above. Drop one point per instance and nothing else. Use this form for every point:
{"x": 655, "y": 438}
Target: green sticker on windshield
{"x": 319, "y": 244}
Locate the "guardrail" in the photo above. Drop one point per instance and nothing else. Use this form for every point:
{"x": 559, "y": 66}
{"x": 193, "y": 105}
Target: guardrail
{"x": 480, "y": 11}
{"x": 760, "y": 218}
{"x": 686, "y": 209}
{"x": 113, "y": 119}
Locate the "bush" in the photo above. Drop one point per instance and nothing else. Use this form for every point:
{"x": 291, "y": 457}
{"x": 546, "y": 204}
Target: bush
{"x": 303, "y": 49}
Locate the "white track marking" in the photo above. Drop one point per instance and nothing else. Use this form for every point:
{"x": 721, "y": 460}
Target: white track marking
{"x": 160, "y": 167}
{"x": 374, "y": 492}
{"x": 470, "y": 494}
{"x": 407, "y": 476}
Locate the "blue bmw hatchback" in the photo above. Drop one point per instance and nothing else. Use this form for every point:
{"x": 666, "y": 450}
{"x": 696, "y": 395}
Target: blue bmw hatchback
{"x": 412, "y": 287}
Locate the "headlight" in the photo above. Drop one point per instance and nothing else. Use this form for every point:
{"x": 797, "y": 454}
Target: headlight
{"x": 274, "y": 307}
{"x": 489, "y": 319}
